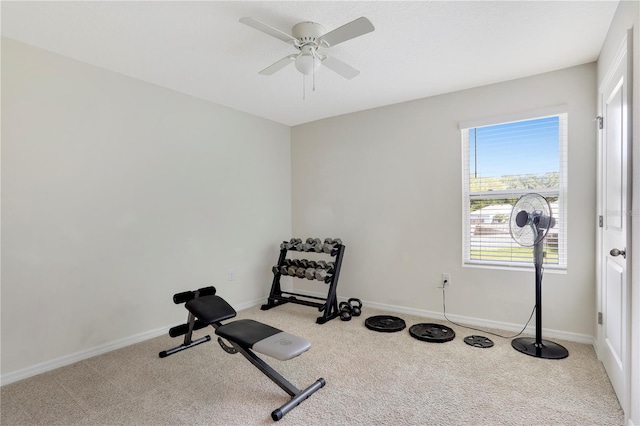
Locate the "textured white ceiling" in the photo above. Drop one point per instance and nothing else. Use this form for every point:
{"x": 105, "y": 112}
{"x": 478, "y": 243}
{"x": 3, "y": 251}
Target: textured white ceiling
{"x": 418, "y": 49}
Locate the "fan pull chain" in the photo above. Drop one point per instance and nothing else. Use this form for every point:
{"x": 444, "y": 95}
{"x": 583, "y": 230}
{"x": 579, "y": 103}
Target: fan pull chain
{"x": 303, "y": 88}
{"x": 314, "y": 73}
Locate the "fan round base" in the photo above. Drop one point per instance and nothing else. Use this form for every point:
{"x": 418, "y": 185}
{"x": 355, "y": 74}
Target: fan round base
{"x": 546, "y": 350}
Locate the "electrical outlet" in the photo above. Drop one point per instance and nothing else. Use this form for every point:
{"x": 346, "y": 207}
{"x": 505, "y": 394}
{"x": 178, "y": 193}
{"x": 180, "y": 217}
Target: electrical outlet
{"x": 446, "y": 279}
{"x": 231, "y": 275}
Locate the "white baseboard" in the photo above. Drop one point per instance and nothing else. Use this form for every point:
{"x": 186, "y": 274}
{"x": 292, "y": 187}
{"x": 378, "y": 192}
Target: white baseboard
{"x": 62, "y": 361}
{"x": 250, "y": 304}
{"x": 43, "y": 367}
{"x": 474, "y": 322}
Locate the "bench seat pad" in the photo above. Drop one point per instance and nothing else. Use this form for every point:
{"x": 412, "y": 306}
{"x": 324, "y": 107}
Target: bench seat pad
{"x": 264, "y": 339}
{"x": 210, "y": 309}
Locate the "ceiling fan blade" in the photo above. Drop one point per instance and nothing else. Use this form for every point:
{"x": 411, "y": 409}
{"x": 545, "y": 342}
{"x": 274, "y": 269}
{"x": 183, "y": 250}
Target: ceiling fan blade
{"x": 271, "y": 69}
{"x": 340, "y": 68}
{"x": 348, "y": 31}
{"x": 267, "y": 29}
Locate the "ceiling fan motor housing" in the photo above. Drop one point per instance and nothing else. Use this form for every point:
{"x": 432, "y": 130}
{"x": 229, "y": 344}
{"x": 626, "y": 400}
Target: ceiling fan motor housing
{"x": 308, "y": 32}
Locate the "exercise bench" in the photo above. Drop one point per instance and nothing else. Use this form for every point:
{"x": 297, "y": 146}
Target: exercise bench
{"x": 245, "y": 336}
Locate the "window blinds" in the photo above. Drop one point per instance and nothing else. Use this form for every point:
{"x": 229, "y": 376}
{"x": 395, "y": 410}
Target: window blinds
{"x": 501, "y": 163}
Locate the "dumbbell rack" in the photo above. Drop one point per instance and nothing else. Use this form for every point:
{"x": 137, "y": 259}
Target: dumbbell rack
{"x": 328, "y": 306}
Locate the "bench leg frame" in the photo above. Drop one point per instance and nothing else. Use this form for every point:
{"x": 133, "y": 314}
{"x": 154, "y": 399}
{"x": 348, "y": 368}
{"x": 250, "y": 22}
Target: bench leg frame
{"x": 297, "y": 395}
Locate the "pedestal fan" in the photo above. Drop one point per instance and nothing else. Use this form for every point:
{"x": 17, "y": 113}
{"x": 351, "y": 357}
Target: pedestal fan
{"x": 530, "y": 221}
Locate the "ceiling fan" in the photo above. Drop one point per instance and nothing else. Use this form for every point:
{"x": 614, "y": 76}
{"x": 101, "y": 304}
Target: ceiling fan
{"x": 309, "y": 38}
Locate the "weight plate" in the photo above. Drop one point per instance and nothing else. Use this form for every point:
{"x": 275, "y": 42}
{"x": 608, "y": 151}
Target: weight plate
{"x": 434, "y": 333}
{"x": 478, "y": 341}
{"x": 385, "y": 323}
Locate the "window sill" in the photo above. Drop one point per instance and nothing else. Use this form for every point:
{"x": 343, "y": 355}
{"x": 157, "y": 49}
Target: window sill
{"x": 551, "y": 269}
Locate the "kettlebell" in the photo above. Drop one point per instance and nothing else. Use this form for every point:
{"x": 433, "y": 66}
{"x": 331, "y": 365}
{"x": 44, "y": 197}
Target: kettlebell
{"x": 356, "y": 310}
{"x": 345, "y": 311}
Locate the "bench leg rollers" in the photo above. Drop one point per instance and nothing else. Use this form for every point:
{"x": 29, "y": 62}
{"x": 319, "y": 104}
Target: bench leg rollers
{"x": 293, "y": 403}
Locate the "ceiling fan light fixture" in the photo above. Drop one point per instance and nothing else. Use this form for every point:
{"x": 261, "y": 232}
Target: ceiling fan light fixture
{"x": 307, "y": 64}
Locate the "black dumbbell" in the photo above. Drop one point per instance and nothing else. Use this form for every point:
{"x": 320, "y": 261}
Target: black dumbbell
{"x": 311, "y": 244}
{"x": 345, "y": 311}
{"x": 316, "y": 245}
{"x": 324, "y": 275}
{"x": 289, "y": 245}
{"x": 310, "y": 273}
{"x": 334, "y": 241}
{"x": 308, "y": 263}
{"x": 321, "y": 264}
{"x": 356, "y": 306}
{"x": 282, "y": 268}
{"x": 330, "y": 244}
{"x": 293, "y": 244}
{"x": 328, "y": 266}
{"x": 291, "y": 270}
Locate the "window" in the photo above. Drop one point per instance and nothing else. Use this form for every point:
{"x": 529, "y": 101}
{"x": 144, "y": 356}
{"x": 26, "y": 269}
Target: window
{"x": 501, "y": 163}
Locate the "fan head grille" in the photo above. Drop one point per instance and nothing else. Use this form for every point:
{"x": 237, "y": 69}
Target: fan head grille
{"x": 532, "y": 228}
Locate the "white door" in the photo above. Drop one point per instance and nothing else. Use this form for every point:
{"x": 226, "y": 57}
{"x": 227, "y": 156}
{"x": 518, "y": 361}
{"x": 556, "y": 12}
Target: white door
{"x": 614, "y": 281}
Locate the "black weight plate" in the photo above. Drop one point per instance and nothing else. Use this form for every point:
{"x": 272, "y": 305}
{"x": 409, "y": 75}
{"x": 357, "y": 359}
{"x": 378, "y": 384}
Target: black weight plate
{"x": 478, "y": 341}
{"x": 385, "y": 323}
{"x": 434, "y": 333}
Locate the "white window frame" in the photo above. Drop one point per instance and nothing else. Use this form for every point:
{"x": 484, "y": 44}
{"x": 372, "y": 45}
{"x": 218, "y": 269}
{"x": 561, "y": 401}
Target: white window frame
{"x": 560, "y": 192}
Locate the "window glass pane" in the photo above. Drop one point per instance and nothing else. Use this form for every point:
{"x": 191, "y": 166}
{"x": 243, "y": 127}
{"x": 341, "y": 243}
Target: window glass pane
{"x": 520, "y": 155}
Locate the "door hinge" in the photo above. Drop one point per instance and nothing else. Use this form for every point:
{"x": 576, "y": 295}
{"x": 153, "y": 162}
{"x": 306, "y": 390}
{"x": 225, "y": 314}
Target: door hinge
{"x": 600, "y": 120}
{"x": 600, "y": 221}
{"x": 600, "y": 318}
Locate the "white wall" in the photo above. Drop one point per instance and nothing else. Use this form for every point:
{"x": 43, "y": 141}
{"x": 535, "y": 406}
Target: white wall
{"x": 115, "y": 195}
{"x": 388, "y": 182}
{"x": 627, "y": 17}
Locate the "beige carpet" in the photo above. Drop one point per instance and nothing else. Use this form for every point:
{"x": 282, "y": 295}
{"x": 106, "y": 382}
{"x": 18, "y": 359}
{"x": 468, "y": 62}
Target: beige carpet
{"x": 372, "y": 379}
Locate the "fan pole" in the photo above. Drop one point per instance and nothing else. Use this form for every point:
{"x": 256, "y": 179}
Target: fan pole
{"x": 538, "y": 347}
{"x": 538, "y": 258}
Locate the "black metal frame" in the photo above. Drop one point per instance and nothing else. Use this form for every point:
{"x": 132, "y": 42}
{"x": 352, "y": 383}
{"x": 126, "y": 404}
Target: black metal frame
{"x": 192, "y": 323}
{"x": 329, "y": 308}
{"x": 297, "y": 395}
